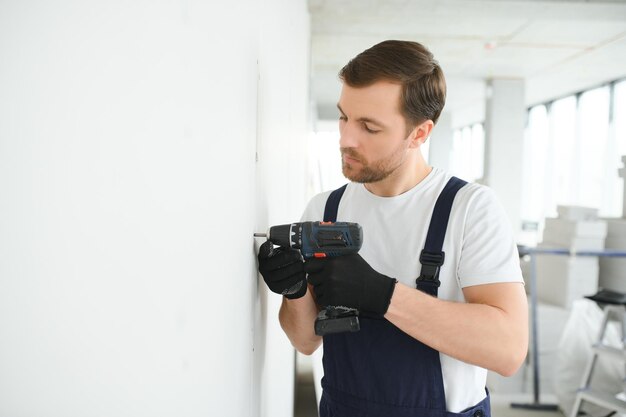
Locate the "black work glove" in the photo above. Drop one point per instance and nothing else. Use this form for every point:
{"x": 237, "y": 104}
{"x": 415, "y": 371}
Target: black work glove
{"x": 349, "y": 281}
{"x": 282, "y": 270}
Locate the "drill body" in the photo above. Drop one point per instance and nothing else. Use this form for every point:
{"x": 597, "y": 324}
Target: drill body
{"x": 321, "y": 240}
{"x": 318, "y": 239}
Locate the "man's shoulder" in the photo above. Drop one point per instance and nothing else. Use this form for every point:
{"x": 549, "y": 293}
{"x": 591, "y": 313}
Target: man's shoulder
{"x": 466, "y": 194}
{"x": 315, "y": 208}
{"x": 476, "y": 194}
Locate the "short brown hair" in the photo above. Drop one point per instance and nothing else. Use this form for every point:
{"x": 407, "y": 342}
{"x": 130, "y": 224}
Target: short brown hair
{"x": 408, "y": 63}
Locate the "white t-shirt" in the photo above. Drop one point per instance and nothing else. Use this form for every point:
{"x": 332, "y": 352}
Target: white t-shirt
{"x": 478, "y": 246}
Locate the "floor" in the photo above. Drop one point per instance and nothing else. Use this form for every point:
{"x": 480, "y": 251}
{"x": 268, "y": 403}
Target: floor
{"x": 305, "y": 403}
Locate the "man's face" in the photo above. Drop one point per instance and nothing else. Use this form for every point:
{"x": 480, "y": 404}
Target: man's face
{"x": 373, "y": 132}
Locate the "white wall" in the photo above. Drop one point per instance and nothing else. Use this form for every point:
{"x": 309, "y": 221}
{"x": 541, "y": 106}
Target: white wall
{"x": 281, "y": 171}
{"x": 128, "y": 199}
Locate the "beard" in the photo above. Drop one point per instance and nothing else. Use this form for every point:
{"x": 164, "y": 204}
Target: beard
{"x": 370, "y": 171}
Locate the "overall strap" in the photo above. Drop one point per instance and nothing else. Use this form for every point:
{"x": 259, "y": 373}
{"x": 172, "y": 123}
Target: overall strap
{"x": 432, "y": 256}
{"x": 332, "y": 204}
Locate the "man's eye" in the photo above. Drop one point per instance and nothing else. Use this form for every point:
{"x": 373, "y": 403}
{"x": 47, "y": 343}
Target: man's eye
{"x": 369, "y": 130}
{"x": 344, "y": 118}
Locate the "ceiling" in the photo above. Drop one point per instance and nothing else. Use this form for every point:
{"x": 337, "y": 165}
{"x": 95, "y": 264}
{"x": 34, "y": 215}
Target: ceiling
{"x": 557, "y": 47}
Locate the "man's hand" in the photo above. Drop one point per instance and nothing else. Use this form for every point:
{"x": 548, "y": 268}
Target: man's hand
{"x": 282, "y": 270}
{"x": 349, "y": 281}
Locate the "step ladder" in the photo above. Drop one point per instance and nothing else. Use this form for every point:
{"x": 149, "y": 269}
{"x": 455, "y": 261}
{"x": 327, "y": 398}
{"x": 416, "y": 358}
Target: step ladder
{"x": 610, "y": 401}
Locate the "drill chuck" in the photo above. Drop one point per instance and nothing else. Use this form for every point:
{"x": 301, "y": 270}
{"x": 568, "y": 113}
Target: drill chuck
{"x": 282, "y": 235}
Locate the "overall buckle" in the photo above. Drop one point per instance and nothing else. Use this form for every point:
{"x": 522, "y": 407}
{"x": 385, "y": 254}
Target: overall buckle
{"x": 431, "y": 264}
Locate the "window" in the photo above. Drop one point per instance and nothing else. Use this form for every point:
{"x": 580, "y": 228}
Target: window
{"x": 468, "y": 152}
{"x": 573, "y": 150}
{"x": 563, "y": 138}
{"x": 591, "y": 174}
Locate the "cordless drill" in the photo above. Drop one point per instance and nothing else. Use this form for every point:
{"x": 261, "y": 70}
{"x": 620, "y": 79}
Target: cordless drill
{"x": 322, "y": 240}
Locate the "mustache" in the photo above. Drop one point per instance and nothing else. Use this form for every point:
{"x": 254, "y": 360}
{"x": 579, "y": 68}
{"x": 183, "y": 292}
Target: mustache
{"x": 351, "y": 153}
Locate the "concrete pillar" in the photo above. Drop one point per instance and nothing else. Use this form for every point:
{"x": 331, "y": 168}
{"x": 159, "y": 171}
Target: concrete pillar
{"x": 504, "y": 135}
{"x": 441, "y": 143}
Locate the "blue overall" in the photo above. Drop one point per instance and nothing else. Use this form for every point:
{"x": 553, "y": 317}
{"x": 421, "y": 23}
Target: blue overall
{"x": 380, "y": 371}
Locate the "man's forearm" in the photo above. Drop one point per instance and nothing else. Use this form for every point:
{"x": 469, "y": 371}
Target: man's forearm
{"x": 297, "y": 318}
{"x": 491, "y": 336}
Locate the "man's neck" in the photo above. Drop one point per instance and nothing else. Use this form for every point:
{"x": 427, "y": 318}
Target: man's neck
{"x": 401, "y": 180}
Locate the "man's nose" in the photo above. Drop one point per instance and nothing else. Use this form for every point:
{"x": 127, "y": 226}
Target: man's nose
{"x": 348, "y": 136}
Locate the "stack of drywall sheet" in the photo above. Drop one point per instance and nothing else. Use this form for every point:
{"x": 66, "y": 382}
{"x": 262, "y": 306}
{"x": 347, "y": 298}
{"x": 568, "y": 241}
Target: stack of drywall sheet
{"x": 575, "y": 231}
{"x": 577, "y": 213}
{"x": 613, "y": 270}
{"x": 563, "y": 279}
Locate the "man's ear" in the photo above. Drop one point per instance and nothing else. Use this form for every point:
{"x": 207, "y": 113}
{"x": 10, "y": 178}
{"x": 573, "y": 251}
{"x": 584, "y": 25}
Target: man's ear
{"x": 420, "y": 133}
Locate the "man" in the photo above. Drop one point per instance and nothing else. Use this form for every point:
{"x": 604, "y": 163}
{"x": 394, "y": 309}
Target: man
{"x": 423, "y": 350}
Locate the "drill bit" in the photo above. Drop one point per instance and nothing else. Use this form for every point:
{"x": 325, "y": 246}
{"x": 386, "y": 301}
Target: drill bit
{"x": 260, "y": 235}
